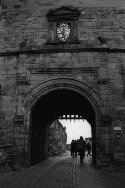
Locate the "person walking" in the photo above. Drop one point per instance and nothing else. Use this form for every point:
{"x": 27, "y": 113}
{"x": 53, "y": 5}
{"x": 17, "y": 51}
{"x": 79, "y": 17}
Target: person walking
{"x": 75, "y": 149}
{"x": 81, "y": 144}
{"x": 88, "y": 147}
{"x": 72, "y": 148}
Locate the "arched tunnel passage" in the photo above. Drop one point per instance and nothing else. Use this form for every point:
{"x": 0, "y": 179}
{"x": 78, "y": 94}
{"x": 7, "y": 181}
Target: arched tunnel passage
{"x": 50, "y": 107}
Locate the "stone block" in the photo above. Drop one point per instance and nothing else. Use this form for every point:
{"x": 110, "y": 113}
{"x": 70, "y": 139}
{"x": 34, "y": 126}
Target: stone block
{"x": 95, "y": 62}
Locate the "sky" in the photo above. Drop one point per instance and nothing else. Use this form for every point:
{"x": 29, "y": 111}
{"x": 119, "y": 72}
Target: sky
{"x": 75, "y": 129}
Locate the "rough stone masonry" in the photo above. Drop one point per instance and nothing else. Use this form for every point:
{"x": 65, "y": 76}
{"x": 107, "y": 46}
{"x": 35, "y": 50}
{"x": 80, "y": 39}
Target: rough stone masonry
{"x": 33, "y": 62}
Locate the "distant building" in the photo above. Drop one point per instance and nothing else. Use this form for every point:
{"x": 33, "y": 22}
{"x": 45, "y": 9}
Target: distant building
{"x": 57, "y": 138}
{"x": 68, "y": 146}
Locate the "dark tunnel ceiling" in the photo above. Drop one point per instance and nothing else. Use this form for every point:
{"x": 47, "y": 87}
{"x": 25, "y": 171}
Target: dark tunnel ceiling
{"x": 59, "y": 102}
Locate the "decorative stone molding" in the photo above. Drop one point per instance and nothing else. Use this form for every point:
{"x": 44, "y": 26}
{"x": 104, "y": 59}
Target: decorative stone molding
{"x": 103, "y": 81}
{"x": 68, "y": 17}
{"x": 68, "y": 70}
{"x": 22, "y": 80}
{"x": 54, "y": 49}
{"x": 64, "y": 11}
{"x": 47, "y": 86}
{"x": 18, "y": 120}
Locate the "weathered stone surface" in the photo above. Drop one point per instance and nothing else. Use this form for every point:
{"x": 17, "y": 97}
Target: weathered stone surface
{"x": 27, "y": 63}
{"x": 57, "y": 138}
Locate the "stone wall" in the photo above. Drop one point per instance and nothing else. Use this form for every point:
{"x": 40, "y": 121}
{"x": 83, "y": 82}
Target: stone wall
{"x": 57, "y": 138}
{"x": 23, "y": 27}
{"x": 26, "y": 60}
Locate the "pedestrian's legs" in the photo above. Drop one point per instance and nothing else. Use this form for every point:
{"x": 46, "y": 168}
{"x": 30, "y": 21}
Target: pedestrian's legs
{"x": 72, "y": 153}
{"x": 82, "y": 154}
{"x": 81, "y": 158}
{"x": 75, "y": 154}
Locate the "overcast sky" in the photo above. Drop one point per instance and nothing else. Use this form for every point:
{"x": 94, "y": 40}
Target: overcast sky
{"x": 76, "y": 128}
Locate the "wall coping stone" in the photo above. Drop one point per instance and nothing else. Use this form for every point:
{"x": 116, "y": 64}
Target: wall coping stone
{"x": 45, "y": 50}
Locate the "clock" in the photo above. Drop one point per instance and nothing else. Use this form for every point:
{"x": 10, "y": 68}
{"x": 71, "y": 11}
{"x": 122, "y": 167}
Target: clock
{"x": 63, "y": 32}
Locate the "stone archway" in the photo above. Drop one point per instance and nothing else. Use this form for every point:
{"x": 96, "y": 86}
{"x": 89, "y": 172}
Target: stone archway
{"x": 50, "y": 90}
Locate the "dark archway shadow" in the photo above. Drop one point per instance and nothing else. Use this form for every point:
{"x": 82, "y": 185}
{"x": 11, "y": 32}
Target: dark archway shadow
{"x": 50, "y": 107}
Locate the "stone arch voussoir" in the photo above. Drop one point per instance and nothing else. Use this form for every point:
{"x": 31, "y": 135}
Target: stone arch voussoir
{"x": 45, "y": 87}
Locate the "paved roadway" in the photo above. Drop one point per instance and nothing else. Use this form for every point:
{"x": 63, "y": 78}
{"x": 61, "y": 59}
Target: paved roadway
{"x": 88, "y": 177}
{"x": 63, "y": 172}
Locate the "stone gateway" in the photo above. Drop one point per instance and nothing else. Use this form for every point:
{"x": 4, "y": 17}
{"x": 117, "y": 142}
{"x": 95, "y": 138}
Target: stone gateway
{"x": 61, "y": 57}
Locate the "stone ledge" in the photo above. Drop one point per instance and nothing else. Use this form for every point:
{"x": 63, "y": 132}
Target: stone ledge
{"x": 58, "y": 50}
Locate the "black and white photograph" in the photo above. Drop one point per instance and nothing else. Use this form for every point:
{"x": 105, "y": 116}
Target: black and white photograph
{"x": 62, "y": 93}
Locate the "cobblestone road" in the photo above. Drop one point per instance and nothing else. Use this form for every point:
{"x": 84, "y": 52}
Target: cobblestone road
{"x": 88, "y": 177}
{"x": 55, "y": 173}
{"x": 63, "y": 172}
{"x": 60, "y": 176}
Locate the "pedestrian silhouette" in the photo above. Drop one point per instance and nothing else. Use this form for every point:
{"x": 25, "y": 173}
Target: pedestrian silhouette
{"x": 73, "y": 148}
{"x": 81, "y": 144}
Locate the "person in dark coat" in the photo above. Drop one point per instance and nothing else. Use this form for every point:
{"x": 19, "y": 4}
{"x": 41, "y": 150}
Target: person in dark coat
{"x": 81, "y": 144}
{"x": 75, "y": 149}
{"x": 72, "y": 149}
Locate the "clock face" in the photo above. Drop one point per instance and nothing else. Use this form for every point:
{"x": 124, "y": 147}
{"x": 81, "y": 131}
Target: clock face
{"x": 63, "y": 32}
